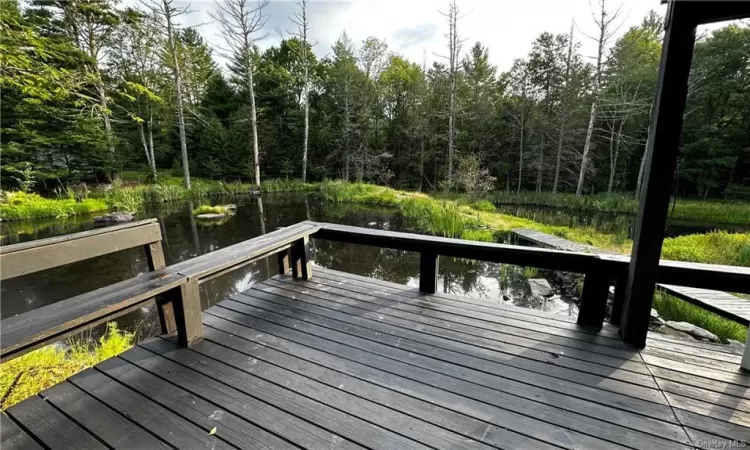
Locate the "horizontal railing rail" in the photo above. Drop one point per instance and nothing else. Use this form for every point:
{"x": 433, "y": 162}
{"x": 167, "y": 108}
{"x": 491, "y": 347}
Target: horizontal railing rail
{"x": 600, "y": 270}
{"x": 174, "y": 288}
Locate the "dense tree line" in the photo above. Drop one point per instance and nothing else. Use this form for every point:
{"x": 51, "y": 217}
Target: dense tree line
{"x": 90, "y": 89}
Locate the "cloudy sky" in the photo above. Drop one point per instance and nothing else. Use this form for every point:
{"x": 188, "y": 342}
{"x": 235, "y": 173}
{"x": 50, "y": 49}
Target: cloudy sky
{"x": 415, "y": 28}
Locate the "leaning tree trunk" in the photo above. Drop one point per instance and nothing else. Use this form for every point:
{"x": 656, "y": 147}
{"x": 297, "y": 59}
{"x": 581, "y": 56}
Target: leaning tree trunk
{"x": 614, "y": 153}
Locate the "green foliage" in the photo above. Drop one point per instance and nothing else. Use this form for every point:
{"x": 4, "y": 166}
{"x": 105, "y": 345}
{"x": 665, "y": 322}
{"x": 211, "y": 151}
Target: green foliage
{"x": 40, "y": 369}
{"x": 23, "y": 206}
{"x": 480, "y": 235}
{"x": 208, "y": 209}
{"x": 718, "y": 247}
{"x": 674, "y": 309}
{"x": 483, "y": 205}
{"x": 434, "y": 217}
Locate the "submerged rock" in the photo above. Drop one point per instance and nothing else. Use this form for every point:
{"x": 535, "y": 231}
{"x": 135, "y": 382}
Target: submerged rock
{"x": 697, "y": 332}
{"x": 115, "y": 217}
{"x": 540, "y": 287}
{"x": 210, "y": 216}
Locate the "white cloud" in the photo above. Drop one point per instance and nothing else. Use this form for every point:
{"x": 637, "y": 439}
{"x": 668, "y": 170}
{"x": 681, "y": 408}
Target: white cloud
{"x": 416, "y": 28}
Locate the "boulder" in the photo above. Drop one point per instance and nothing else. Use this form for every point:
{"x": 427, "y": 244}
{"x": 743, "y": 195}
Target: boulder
{"x": 696, "y": 332}
{"x": 540, "y": 287}
{"x": 506, "y": 297}
{"x": 674, "y": 333}
{"x": 115, "y": 217}
{"x": 372, "y": 224}
{"x": 210, "y": 216}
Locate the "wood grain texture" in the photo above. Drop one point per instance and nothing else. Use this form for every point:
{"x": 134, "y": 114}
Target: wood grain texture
{"x": 27, "y": 331}
{"x": 26, "y": 258}
{"x": 345, "y": 362}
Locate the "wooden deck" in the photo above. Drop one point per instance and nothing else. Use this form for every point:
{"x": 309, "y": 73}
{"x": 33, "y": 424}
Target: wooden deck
{"x": 344, "y": 361}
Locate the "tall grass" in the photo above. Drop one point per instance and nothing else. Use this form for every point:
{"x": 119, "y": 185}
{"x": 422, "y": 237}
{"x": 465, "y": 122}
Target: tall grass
{"x": 685, "y": 209}
{"x": 23, "y": 206}
{"x": 434, "y": 217}
{"x": 36, "y": 371}
{"x": 674, "y": 309}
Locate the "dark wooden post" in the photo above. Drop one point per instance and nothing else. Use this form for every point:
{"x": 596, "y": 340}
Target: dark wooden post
{"x": 156, "y": 261}
{"x": 186, "y": 301}
{"x": 659, "y": 170}
{"x": 284, "y": 264}
{"x": 301, "y": 264}
{"x": 594, "y": 299}
{"x": 428, "y": 272}
{"x": 621, "y": 285}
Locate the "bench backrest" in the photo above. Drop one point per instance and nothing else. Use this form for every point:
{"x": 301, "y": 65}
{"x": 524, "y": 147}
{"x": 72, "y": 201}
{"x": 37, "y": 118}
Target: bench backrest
{"x": 29, "y": 257}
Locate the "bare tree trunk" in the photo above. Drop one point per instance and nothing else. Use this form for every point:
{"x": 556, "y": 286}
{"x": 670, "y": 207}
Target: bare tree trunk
{"x": 421, "y": 163}
{"x": 167, "y": 11}
{"x": 454, "y": 49}
{"x": 613, "y": 154}
{"x": 563, "y": 110}
{"x": 150, "y": 126}
{"x": 254, "y": 125}
{"x": 307, "y": 130}
{"x": 541, "y": 159}
{"x": 603, "y": 22}
{"x": 520, "y": 149}
{"x": 142, "y": 135}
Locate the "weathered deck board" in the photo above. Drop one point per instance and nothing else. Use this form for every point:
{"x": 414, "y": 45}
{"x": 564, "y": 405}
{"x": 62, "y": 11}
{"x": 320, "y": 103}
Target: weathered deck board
{"x": 345, "y": 362}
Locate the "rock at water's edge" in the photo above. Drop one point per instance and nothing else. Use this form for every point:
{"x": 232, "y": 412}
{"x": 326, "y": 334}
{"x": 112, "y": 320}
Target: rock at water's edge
{"x": 696, "y": 332}
{"x": 115, "y": 217}
{"x": 540, "y": 287}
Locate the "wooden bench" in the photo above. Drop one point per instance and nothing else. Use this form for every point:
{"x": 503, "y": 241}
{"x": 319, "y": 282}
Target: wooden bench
{"x": 175, "y": 288}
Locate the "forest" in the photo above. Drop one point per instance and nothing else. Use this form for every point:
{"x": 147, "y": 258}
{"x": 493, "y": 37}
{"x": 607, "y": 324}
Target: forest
{"x": 91, "y": 89}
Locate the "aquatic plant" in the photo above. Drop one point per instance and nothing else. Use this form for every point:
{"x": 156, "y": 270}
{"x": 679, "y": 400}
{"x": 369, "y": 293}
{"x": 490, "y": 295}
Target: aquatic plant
{"x": 208, "y": 209}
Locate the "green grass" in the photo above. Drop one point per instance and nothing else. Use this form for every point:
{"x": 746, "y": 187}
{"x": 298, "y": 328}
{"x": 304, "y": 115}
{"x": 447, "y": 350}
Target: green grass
{"x": 730, "y": 212}
{"x": 23, "y": 206}
{"x": 36, "y": 371}
{"x": 672, "y": 308}
{"x": 208, "y": 209}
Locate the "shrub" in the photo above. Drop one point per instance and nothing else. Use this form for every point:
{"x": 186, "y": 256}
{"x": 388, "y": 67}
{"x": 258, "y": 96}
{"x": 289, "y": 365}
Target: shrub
{"x": 484, "y": 205}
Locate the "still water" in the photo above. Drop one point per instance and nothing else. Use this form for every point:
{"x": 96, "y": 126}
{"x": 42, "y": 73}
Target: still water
{"x": 184, "y": 238}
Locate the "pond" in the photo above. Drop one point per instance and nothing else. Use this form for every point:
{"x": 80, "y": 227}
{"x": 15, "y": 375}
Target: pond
{"x": 184, "y": 238}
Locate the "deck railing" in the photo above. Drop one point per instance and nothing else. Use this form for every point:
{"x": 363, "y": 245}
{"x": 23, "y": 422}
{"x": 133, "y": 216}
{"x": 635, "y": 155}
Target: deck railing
{"x": 175, "y": 288}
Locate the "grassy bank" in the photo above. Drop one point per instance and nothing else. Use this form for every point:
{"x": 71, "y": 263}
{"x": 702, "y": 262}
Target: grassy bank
{"x": 728, "y": 212}
{"x": 131, "y": 196}
{"x": 38, "y": 370}
{"x": 24, "y": 206}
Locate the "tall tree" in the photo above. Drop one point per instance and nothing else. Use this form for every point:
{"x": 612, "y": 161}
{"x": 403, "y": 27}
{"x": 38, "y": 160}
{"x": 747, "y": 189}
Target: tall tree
{"x": 240, "y": 23}
{"x": 301, "y": 20}
{"x": 454, "y": 52}
{"x": 167, "y": 15}
{"x": 606, "y": 23}
{"x": 91, "y": 25}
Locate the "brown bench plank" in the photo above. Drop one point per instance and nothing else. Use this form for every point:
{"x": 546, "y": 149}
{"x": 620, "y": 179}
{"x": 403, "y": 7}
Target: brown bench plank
{"x": 29, "y": 257}
{"x": 27, "y": 331}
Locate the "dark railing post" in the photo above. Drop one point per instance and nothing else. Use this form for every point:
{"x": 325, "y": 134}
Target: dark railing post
{"x": 156, "y": 261}
{"x": 621, "y": 285}
{"x": 284, "y": 264}
{"x": 428, "y": 272}
{"x": 301, "y": 264}
{"x": 594, "y": 299}
{"x": 186, "y": 302}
